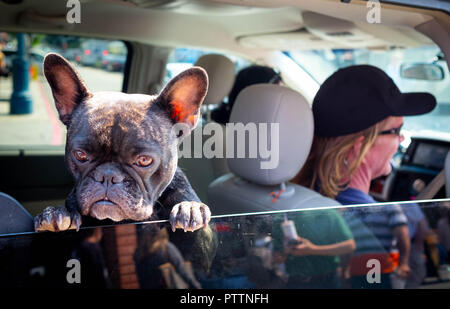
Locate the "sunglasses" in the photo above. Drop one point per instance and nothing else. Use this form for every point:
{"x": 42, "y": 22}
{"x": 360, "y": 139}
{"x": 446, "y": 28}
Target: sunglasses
{"x": 395, "y": 131}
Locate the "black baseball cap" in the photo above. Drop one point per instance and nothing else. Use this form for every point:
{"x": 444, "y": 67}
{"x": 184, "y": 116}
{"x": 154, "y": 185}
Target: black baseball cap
{"x": 354, "y": 98}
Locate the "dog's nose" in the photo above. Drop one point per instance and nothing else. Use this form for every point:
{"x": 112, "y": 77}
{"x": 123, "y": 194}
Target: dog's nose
{"x": 108, "y": 176}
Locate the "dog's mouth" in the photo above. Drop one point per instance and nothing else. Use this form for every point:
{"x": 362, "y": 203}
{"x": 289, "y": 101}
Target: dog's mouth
{"x": 115, "y": 206}
{"x": 104, "y": 202}
{"x": 106, "y": 209}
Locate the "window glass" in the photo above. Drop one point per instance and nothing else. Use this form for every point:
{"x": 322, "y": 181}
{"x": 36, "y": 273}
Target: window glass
{"x": 100, "y": 63}
{"x": 183, "y": 58}
{"x": 342, "y": 247}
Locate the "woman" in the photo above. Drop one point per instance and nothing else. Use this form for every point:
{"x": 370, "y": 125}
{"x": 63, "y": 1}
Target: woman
{"x": 358, "y": 113}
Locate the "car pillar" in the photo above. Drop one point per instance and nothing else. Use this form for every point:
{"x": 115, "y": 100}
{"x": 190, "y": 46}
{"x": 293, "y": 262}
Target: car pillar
{"x": 21, "y": 102}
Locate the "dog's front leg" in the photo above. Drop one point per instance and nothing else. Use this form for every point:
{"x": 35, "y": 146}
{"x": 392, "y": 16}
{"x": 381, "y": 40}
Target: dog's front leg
{"x": 190, "y": 214}
{"x": 59, "y": 218}
{"x": 187, "y": 212}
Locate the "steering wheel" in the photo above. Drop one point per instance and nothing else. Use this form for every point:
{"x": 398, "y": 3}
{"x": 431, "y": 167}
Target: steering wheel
{"x": 441, "y": 179}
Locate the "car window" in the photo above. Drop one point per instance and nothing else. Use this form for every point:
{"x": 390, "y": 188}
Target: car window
{"x": 101, "y": 63}
{"x": 32, "y": 138}
{"x": 250, "y": 252}
{"x": 181, "y": 59}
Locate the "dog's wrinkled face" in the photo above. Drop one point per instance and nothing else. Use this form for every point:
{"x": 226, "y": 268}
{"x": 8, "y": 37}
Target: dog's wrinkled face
{"x": 122, "y": 148}
{"x": 121, "y": 155}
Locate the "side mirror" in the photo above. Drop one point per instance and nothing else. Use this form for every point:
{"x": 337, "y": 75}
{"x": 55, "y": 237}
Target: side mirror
{"x": 423, "y": 71}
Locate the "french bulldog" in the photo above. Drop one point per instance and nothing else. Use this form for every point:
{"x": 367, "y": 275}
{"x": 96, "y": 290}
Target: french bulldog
{"x": 122, "y": 151}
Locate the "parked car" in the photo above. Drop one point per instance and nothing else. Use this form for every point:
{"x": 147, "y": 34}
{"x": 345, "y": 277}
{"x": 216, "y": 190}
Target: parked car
{"x": 72, "y": 54}
{"x": 92, "y": 52}
{"x": 114, "y": 62}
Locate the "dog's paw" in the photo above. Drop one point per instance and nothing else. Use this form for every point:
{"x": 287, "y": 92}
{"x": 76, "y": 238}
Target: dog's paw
{"x": 189, "y": 216}
{"x": 56, "y": 219}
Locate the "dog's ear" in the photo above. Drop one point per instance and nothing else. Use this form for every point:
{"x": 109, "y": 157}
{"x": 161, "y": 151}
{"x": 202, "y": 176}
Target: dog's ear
{"x": 68, "y": 88}
{"x": 183, "y": 96}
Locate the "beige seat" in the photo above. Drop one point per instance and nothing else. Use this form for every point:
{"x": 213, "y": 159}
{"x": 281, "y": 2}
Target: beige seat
{"x": 221, "y": 77}
{"x": 202, "y": 171}
{"x": 262, "y": 183}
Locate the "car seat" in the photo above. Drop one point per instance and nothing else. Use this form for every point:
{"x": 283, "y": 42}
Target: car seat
{"x": 249, "y": 187}
{"x": 221, "y": 77}
{"x": 13, "y": 217}
{"x": 202, "y": 171}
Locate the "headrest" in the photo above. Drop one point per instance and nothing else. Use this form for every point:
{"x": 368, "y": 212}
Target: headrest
{"x": 271, "y": 104}
{"x": 221, "y": 76}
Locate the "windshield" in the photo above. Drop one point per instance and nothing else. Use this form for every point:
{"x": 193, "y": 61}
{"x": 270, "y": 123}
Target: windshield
{"x": 322, "y": 63}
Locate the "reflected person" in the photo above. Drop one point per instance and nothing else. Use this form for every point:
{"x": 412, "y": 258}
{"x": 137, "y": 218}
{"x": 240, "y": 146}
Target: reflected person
{"x": 312, "y": 261}
{"x": 443, "y": 231}
{"x": 418, "y": 229}
{"x": 154, "y": 250}
{"x": 89, "y": 252}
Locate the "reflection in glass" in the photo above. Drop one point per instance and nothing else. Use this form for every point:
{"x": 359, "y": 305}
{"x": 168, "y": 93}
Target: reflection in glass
{"x": 252, "y": 252}
{"x": 159, "y": 264}
{"x": 312, "y": 260}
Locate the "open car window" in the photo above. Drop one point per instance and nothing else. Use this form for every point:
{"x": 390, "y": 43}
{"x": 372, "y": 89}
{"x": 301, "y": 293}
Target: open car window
{"x": 250, "y": 252}
{"x": 36, "y": 126}
{"x": 32, "y": 138}
{"x": 181, "y": 59}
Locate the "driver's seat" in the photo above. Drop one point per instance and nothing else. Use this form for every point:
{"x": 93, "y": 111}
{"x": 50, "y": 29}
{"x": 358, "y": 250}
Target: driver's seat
{"x": 250, "y": 187}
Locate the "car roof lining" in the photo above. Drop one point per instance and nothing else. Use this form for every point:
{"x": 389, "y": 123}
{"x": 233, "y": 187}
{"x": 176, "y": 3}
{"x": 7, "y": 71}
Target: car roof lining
{"x": 228, "y": 23}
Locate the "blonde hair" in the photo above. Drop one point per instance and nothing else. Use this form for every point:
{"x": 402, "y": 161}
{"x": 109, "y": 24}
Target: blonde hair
{"x": 327, "y": 166}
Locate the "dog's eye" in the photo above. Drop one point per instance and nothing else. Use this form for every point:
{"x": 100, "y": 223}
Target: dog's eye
{"x": 144, "y": 161}
{"x": 80, "y": 156}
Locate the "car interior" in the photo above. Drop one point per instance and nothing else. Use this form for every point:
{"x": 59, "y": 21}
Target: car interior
{"x": 137, "y": 46}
